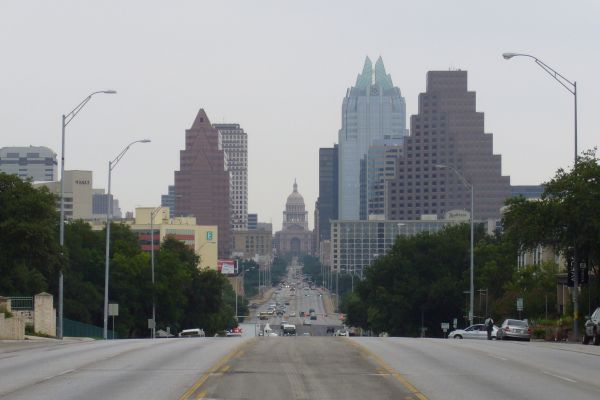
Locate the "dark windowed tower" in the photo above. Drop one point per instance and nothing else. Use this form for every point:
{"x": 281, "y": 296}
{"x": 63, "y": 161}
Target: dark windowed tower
{"x": 447, "y": 130}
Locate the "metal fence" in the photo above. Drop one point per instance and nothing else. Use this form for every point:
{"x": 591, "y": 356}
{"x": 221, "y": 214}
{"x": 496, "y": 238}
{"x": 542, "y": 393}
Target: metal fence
{"x": 79, "y": 329}
{"x": 21, "y": 303}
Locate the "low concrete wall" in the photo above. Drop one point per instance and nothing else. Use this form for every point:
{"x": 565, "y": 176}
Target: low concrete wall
{"x": 12, "y": 328}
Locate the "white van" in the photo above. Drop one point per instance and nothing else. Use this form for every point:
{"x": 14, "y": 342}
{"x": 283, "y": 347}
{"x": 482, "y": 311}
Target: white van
{"x": 192, "y": 333}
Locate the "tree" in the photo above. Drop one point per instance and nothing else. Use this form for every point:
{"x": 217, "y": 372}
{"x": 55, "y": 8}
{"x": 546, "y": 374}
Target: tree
{"x": 566, "y": 218}
{"x": 30, "y": 256}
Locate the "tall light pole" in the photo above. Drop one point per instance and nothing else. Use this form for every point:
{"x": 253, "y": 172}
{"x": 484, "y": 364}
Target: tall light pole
{"x": 66, "y": 118}
{"x": 152, "y": 215}
{"x": 572, "y": 88}
{"x": 111, "y": 165}
{"x": 472, "y": 272}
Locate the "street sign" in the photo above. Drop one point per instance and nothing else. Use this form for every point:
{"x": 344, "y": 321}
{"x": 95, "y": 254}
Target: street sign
{"x": 209, "y": 235}
{"x": 445, "y": 326}
{"x": 455, "y": 323}
{"x": 113, "y": 310}
{"x": 150, "y": 323}
{"x": 520, "y": 304}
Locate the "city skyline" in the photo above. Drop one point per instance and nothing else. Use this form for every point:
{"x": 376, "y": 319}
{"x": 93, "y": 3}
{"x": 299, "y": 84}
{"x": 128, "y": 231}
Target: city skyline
{"x": 259, "y": 80}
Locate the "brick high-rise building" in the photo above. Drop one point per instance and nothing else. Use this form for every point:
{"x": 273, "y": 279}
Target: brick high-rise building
{"x": 449, "y": 131}
{"x": 202, "y": 182}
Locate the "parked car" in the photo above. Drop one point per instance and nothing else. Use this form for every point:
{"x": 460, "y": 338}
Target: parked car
{"x": 514, "y": 329}
{"x": 591, "y": 330}
{"x": 477, "y": 331}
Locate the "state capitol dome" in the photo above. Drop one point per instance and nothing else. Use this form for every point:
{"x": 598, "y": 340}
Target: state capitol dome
{"x": 295, "y": 198}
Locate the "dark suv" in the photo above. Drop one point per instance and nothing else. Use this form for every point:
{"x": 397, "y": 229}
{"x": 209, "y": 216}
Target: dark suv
{"x": 591, "y": 331}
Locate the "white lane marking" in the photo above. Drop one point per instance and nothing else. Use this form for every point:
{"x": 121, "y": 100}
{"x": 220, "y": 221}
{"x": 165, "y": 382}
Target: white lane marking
{"x": 564, "y": 378}
{"x": 59, "y": 374}
{"x": 498, "y": 357}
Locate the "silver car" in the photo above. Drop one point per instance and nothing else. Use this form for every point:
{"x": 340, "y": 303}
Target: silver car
{"x": 477, "y": 331}
{"x": 514, "y": 329}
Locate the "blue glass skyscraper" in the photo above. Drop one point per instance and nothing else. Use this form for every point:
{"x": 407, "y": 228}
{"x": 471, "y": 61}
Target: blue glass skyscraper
{"x": 372, "y": 109}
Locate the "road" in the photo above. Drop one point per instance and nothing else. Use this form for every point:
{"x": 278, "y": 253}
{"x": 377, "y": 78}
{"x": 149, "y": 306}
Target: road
{"x": 119, "y": 369}
{"x": 300, "y": 300}
{"x": 300, "y": 367}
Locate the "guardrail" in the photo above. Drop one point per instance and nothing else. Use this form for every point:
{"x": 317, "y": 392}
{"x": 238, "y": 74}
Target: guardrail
{"x": 21, "y": 303}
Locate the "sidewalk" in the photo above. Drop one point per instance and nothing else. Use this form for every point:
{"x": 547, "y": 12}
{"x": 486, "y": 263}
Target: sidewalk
{"x": 327, "y": 302}
{"x": 266, "y": 296}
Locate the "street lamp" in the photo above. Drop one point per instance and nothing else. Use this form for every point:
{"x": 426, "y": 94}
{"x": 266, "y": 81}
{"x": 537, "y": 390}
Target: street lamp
{"x": 572, "y": 88}
{"x": 152, "y": 215}
{"x": 65, "y": 121}
{"x": 472, "y": 284}
{"x": 111, "y": 165}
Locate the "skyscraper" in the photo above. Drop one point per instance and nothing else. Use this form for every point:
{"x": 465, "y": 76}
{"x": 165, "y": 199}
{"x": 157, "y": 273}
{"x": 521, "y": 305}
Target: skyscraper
{"x": 327, "y": 203}
{"x": 235, "y": 144}
{"x": 372, "y": 109}
{"x": 168, "y": 200}
{"x": 380, "y": 164}
{"x": 202, "y": 182}
{"x": 447, "y": 131}
{"x": 35, "y": 162}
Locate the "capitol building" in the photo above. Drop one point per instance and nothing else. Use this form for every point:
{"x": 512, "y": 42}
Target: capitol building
{"x": 295, "y": 237}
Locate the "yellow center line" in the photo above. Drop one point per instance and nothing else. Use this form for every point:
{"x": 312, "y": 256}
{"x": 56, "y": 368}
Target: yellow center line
{"x": 225, "y": 368}
{"x": 399, "y": 377}
{"x": 201, "y": 395}
{"x": 214, "y": 369}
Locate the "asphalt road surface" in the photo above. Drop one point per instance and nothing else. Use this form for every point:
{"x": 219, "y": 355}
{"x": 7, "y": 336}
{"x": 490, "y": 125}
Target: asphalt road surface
{"x": 119, "y": 369}
{"x": 266, "y": 368}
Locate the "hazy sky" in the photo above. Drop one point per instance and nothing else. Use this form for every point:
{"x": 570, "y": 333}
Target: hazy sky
{"x": 281, "y": 70}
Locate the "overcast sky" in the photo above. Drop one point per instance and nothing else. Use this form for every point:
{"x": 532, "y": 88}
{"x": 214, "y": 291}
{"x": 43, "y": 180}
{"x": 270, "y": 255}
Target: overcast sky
{"x": 281, "y": 70}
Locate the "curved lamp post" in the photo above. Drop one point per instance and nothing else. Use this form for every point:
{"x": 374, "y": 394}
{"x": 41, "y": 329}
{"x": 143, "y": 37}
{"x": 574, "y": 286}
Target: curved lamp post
{"x": 111, "y": 165}
{"x": 66, "y": 118}
{"x": 572, "y": 88}
{"x": 472, "y": 284}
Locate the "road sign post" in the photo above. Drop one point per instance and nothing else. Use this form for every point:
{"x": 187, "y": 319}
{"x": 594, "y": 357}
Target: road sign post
{"x": 445, "y": 327}
{"x": 519, "y": 306}
{"x": 113, "y": 311}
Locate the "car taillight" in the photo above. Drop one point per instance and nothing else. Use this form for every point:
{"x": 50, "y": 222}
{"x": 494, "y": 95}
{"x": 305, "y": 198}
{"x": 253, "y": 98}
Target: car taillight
{"x": 529, "y": 330}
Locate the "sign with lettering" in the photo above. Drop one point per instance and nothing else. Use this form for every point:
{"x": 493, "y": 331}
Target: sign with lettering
{"x": 82, "y": 181}
{"x": 209, "y": 235}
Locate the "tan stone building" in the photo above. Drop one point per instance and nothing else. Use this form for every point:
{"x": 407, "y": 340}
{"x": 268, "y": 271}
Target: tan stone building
{"x": 250, "y": 243}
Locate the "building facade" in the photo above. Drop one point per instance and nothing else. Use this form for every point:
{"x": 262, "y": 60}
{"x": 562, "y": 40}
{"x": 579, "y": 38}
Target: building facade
{"x": 37, "y": 163}
{"x": 202, "y": 182}
{"x": 447, "y": 131}
{"x": 203, "y": 239}
{"x": 235, "y": 144}
{"x": 253, "y": 243}
{"x": 100, "y": 205}
{"x": 252, "y": 221}
{"x": 78, "y": 194}
{"x": 326, "y": 208}
{"x": 380, "y": 164}
{"x": 372, "y": 109}
{"x": 294, "y": 237}
{"x": 168, "y": 200}
{"x": 356, "y": 244}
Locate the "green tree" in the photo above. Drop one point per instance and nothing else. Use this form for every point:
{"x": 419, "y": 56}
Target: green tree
{"x": 30, "y": 256}
{"x": 567, "y": 217}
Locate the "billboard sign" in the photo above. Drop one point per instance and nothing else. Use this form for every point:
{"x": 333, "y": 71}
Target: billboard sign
{"x": 226, "y": 267}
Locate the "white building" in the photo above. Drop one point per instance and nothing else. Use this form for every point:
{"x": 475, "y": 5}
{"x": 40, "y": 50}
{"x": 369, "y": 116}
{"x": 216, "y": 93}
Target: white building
{"x": 35, "y": 162}
{"x": 78, "y": 193}
{"x": 234, "y": 142}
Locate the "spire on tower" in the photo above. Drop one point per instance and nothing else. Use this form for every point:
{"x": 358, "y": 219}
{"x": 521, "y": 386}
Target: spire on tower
{"x": 365, "y": 78}
{"x": 382, "y": 78}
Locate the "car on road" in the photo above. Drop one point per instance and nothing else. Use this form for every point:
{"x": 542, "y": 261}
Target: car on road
{"x": 591, "y": 330}
{"x": 477, "y": 331}
{"x": 293, "y": 314}
{"x": 341, "y": 332}
{"x": 514, "y": 329}
{"x": 307, "y": 322}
